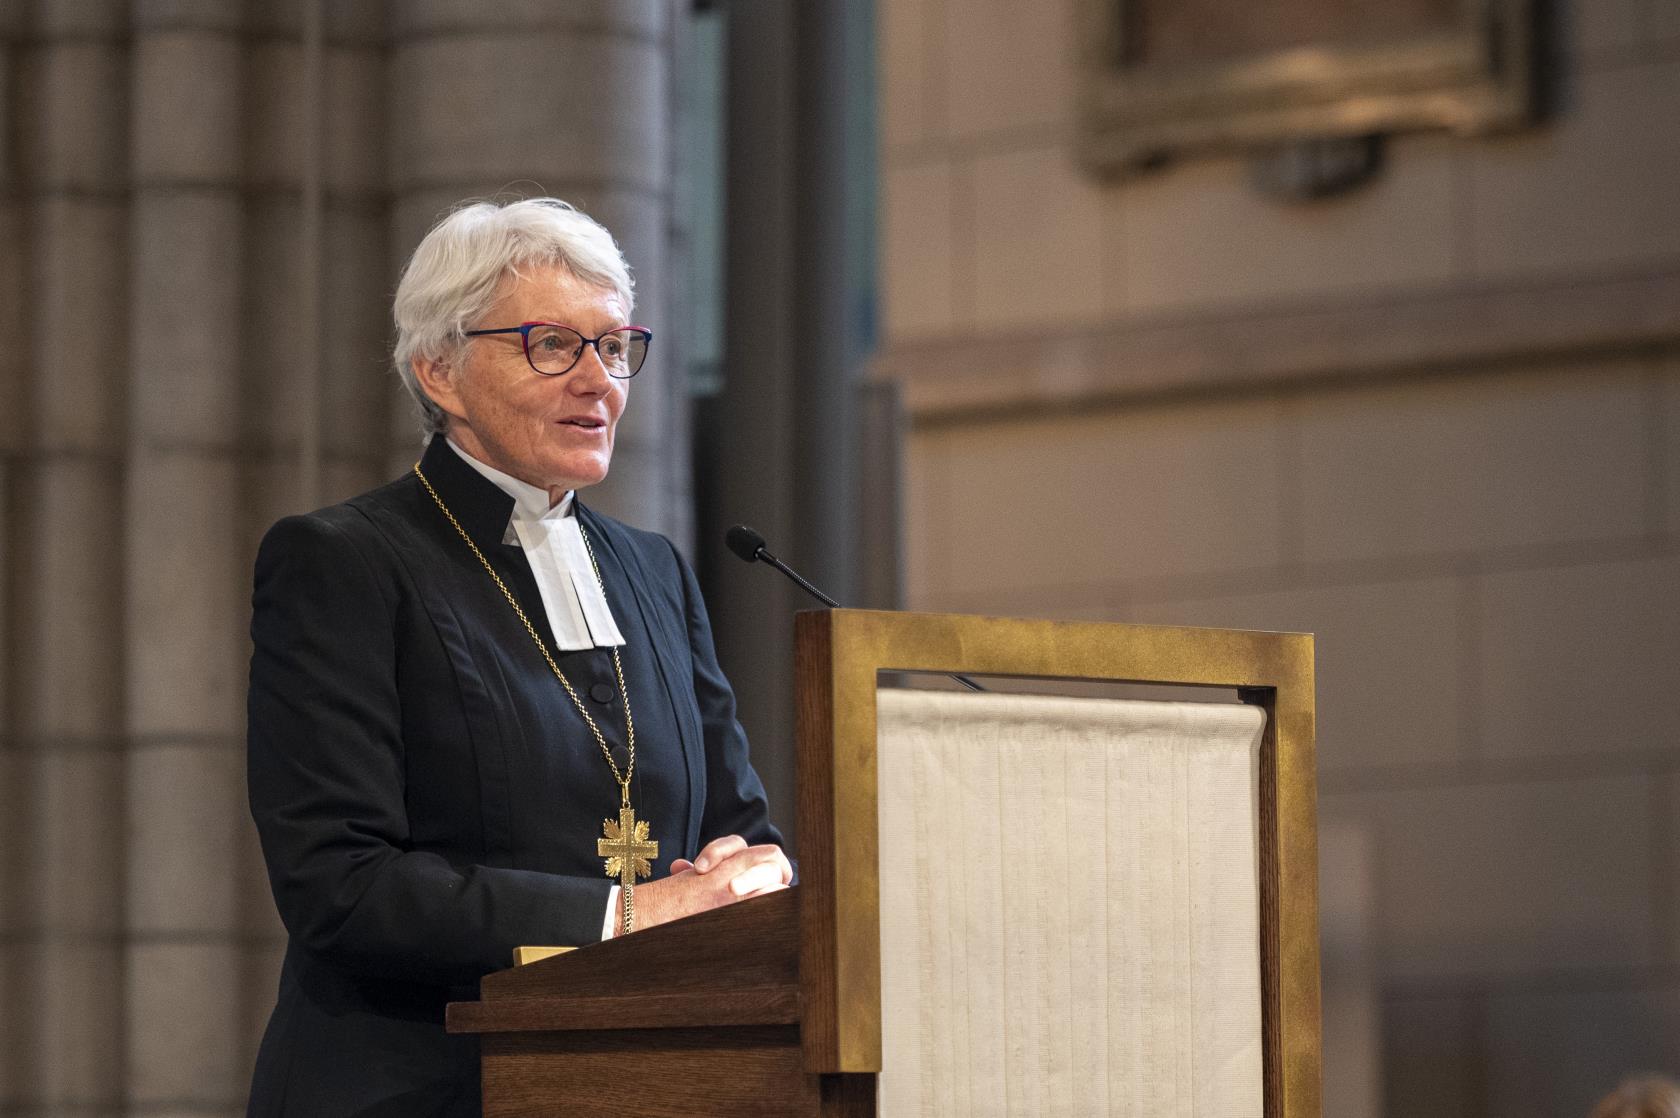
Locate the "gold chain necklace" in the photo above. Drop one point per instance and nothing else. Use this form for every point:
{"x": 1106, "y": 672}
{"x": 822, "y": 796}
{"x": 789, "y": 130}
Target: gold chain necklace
{"x": 625, "y": 845}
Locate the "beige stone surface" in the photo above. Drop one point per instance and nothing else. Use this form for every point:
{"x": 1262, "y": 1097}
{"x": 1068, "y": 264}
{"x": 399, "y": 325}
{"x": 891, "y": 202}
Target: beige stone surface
{"x": 259, "y": 919}
{"x": 1560, "y": 1051}
{"x": 1668, "y": 864}
{"x": 1351, "y": 1005}
{"x": 1662, "y": 20}
{"x": 1605, "y": 30}
{"x": 924, "y": 499}
{"x": 187, "y": 599}
{"x": 185, "y": 1040}
{"x": 1588, "y": 191}
{"x": 356, "y": 382}
{"x": 1668, "y": 423}
{"x": 647, "y": 18}
{"x": 9, "y": 56}
{"x": 72, "y": 995}
{"x": 16, "y": 857}
{"x": 185, "y": 809}
{"x": 72, "y": 131}
{"x": 1578, "y": 657}
{"x": 79, "y": 329}
{"x": 8, "y": 66}
{"x": 76, "y": 888}
{"x": 12, "y": 1054}
{"x": 6, "y": 619}
{"x": 277, "y": 122}
{"x": 472, "y": 112}
{"x": 1470, "y": 463}
{"x": 217, "y": 15}
{"x": 1052, "y": 603}
{"x": 1008, "y": 66}
{"x": 904, "y": 31}
{"x": 345, "y": 479}
{"x": 349, "y": 128}
{"x": 354, "y": 22}
{"x": 75, "y": 17}
{"x": 1200, "y": 236}
{"x": 185, "y": 315}
{"x": 14, "y": 316}
{"x": 271, "y": 400}
{"x": 415, "y": 212}
{"x": 920, "y": 251}
{"x": 354, "y": 135}
{"x": 269, "y": 488}
{"x": 71, "y": 620}
{"x": 259, "y": 982}
{"x": 1103, "y": 497}
{"x": 186, "y": 108}
{"x": 1500, "y": 879}
{"x": 1038, "y": 255}
{"x": 1390, "y": 662}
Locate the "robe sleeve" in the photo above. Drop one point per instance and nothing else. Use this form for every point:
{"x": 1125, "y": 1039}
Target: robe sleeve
{"x": 326, "y": 782}
{"x": 735, "y": 799}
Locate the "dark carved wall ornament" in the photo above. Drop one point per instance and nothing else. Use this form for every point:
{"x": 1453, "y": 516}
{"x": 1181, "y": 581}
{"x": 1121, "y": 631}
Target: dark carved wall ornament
{"x": 1159, "y": 78}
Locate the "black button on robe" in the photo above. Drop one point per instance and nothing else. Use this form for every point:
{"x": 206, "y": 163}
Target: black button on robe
{"x": 428, "y": 796}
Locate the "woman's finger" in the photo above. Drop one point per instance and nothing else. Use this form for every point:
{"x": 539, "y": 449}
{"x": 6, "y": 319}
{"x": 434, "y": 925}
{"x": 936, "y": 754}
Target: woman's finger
{"x": 751, "y": 880}
{"x": 717, "y": 850}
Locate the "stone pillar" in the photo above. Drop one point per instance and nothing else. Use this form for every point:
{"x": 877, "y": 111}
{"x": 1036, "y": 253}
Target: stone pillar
{"x": 509, "y": 99}
{"x": 197, "y": 250}
{"x": 316, "y": 391}
{"x": 65, "y": 904}
{"x": 184, "y": 594}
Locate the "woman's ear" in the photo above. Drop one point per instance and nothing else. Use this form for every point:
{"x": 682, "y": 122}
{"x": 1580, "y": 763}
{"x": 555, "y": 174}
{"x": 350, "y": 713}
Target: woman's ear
{"x": 437, "y": 378}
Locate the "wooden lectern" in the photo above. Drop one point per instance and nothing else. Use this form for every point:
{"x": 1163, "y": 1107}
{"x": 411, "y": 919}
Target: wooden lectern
{"x": 773, "y": 1006}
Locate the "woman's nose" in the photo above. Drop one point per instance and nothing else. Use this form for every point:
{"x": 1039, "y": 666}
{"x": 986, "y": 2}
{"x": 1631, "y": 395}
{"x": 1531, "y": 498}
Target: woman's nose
{"x": 589, "y": 375}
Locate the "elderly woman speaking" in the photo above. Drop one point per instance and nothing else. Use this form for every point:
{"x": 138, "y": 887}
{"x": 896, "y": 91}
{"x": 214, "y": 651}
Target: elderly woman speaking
{"x": 459, "y": 677}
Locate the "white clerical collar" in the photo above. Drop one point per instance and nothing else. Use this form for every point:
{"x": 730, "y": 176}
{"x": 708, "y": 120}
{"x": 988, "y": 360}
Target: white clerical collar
{"x": 553, "y": 543}
{"x": 529, "y": 501}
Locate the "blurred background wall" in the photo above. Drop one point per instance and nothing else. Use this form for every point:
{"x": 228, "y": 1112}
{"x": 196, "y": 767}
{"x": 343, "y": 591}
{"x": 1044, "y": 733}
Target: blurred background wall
{"x": 1435, "y": 419}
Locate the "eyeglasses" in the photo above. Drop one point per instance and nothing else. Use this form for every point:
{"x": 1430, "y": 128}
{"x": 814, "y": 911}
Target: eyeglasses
{"x": 553, "y": 349}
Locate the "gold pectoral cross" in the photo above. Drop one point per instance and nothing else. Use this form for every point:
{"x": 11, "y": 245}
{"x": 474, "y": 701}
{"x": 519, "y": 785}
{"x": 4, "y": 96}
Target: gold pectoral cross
{"x": 628, "y": 852}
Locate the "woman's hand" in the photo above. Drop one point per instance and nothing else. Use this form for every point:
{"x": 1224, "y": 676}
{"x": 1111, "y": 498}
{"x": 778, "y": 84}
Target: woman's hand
{"x": 726, "y": 871}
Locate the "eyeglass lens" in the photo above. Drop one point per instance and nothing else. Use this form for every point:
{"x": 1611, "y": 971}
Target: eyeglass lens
{"x": 555, "y": 349}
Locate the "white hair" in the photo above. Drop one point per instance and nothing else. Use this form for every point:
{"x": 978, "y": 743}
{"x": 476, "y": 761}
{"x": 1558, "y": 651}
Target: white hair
{"x": 454, "y": 275}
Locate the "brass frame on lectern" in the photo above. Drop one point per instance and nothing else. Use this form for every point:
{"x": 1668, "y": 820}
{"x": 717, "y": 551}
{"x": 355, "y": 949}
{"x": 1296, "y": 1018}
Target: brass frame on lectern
{"x": 840, "y": 654}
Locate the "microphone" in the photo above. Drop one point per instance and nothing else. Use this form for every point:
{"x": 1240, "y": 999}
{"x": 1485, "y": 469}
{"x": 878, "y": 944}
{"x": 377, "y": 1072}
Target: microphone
{"x": 749, "y": 545}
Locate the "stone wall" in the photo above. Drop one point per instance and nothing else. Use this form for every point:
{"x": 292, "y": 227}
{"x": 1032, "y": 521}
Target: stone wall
{"x": 1435, "y": 421}
{"x": 203, "y": 206}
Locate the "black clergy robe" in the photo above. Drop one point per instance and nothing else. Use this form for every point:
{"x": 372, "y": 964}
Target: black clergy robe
{"x": 428, "y": 797}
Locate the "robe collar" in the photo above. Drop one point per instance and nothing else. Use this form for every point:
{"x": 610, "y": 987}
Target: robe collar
{"x": 477, "y": 502}
{"x": 529, "y": 502}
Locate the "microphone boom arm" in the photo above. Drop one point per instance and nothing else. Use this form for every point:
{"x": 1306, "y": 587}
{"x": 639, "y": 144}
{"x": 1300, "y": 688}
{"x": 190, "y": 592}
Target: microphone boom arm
{"x": 749, "y": 546}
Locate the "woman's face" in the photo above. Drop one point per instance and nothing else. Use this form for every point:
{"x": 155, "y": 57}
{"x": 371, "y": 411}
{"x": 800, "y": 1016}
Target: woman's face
{"x": 555, "y": 432}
